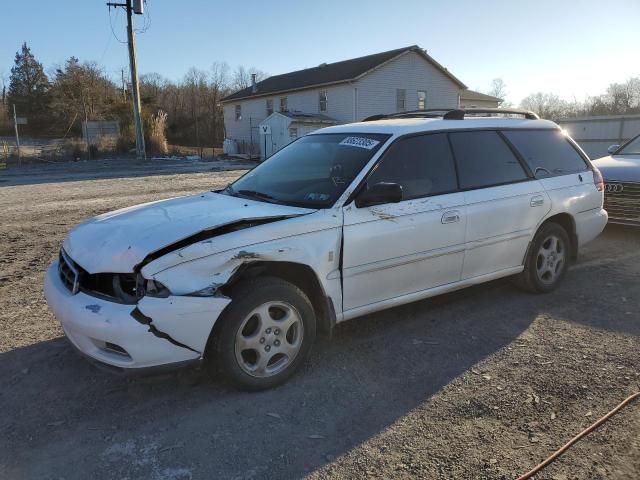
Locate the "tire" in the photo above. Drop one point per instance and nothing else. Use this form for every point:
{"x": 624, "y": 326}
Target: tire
{"x": 547, "y": 260}
{"x": 265, "y": 336}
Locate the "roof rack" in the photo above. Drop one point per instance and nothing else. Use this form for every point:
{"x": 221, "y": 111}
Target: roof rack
{"x": 454, "y": 113}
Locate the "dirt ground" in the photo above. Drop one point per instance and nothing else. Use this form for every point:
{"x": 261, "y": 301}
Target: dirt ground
{"x": 480, "y": 384}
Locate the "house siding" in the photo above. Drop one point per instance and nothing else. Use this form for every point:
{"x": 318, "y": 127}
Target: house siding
{"x": 377, "y": 90}
{"x": 468, "y": 103}
{"x": 254, "y": 111}
{"x": 372, "y": 94}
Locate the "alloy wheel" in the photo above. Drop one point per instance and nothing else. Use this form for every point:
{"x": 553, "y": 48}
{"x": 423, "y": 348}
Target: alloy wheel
{"x": 550, "y": 259}
{"x": 269, "y": 339}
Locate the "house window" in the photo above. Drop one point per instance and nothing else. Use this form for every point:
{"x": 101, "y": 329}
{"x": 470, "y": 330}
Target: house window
{"x": 323, "y": 100}
{"x": 293, "y": 132}
{"x": 401, "y": 99}
{"x": 283, "y": 104}
{"x": 238, "y": 112}
{"x": 422, "y": 100}
{"x": 269, "y": 106}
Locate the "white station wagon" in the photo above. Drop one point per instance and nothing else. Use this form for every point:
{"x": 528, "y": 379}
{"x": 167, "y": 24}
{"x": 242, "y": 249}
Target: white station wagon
{"x": 343, "y": 222}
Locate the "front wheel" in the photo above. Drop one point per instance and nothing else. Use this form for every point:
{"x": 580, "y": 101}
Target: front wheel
{"x": 266, "y": 334}
{"x": 547, "y": 260}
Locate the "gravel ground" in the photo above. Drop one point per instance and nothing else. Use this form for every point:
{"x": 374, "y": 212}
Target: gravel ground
{"x": 480, "y": 384}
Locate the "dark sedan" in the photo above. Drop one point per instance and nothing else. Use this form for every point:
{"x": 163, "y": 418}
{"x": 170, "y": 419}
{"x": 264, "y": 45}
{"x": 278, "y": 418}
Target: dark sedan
{"x": 621, "y": 172}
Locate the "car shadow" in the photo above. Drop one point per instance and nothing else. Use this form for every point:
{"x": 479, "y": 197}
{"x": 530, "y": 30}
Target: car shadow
{"x": 374, "y": 371}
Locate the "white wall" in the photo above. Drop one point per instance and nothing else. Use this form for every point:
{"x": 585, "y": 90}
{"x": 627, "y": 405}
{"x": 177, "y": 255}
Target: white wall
{"x": 279, "y": 137}
{"x": 595, "y": 134}
{"x": 348, "y": 102}
{"x": 377, "y": 90}
{"x": 339, "y": 107}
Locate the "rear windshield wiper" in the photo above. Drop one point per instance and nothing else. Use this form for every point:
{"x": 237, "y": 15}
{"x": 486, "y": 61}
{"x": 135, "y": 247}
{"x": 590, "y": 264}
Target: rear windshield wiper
{"x": 255, "y": 194}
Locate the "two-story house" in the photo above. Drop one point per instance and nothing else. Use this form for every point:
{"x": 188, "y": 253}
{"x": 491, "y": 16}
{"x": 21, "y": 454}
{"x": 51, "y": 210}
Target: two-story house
{"x": 347, "y": 91}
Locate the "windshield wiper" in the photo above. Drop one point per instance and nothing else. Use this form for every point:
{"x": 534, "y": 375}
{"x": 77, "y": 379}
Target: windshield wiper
{"x": 255, "y": 194}
{"x": 228, "y": 190}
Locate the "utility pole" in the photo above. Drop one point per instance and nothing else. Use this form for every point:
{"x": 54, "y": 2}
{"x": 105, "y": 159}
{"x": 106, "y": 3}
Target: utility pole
{"x": 137, "y": 115}
{"x": 15, "y": 123}
{"x": 133, "y": 65}
{"x": 124, "y": 87}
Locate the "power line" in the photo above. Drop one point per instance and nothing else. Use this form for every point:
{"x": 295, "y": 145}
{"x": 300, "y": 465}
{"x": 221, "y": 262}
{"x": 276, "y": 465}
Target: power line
{"x": 111, "y": 24}
{"x": 147, "y": 19}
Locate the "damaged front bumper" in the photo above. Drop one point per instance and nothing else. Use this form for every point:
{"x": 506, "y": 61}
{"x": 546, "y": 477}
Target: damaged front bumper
{"x": 155, "y": 332}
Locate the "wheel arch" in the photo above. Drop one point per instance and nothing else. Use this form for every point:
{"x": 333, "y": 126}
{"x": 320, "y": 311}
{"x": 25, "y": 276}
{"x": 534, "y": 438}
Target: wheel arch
{"x": 298, "y": 274}
{"x": 566, "y": 221}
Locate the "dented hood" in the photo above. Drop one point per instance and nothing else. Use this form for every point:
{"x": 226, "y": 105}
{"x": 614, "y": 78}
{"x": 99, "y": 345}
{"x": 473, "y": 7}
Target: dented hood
{"x": 118, "y": 241}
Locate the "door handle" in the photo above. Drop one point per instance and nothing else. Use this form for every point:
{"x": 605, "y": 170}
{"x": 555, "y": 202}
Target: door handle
{"x": 537, "y": 201}
{"x": 451, "y": 217}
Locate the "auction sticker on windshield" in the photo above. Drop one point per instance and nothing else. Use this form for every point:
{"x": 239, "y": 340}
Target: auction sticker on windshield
{"x": 360, "y": 142}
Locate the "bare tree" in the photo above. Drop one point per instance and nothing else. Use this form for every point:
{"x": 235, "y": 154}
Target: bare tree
{"x": 242, "y": 77}
{"x": 219, "y": 87}
{"x": 196, "y": 83}
{"x": 498, "y": 89}
{"x": 547, "y": 105}
{"x": 82, "y": 90}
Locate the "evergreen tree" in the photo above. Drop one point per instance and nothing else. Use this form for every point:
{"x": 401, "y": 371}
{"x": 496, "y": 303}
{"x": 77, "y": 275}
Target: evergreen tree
{"x": 28, "y": 84}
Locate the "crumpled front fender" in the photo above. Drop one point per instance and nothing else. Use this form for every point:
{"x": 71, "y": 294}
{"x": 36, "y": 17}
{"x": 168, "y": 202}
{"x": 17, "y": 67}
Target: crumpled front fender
{"x": 187, "y": 320}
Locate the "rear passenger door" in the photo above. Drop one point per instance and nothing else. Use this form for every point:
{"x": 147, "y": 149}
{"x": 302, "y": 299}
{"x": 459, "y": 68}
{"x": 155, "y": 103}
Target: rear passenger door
{"x": 504, "y": 202}
{"x": 561, "y": 169}
{"x": 397, "y": 249}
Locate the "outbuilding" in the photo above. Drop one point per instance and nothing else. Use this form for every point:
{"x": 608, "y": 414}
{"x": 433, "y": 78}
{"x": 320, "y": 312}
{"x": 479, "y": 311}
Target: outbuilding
{"x": 473, "y": 99}
{"x": 281, "y": 128}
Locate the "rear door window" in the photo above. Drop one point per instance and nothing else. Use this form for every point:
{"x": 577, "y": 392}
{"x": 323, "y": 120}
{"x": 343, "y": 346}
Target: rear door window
{"x": 547, "y": 152}
{"x": 422, "y": 165}
{"x": 484, "y": 159}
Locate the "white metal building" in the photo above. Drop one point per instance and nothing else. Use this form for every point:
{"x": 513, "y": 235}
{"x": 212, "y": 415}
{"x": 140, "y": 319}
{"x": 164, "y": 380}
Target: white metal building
{"x": 347, "y": 91}
{"x": 281, "y": 128}
{"x": 595, "y": 134}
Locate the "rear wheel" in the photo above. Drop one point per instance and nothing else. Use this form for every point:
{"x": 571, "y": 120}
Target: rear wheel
{"x": 266, "y": 334}
{"x": 547, "y": 260}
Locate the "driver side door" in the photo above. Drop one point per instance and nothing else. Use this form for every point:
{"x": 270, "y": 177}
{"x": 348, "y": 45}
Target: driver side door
{"x": 394, "y": 250}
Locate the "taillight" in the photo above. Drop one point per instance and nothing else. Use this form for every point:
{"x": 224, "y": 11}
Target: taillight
{"x": 598, "y": 180}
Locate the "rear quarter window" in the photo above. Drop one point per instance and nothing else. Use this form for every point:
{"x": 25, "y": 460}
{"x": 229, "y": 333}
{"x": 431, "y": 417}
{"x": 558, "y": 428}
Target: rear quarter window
{"x": 547, "y": 152}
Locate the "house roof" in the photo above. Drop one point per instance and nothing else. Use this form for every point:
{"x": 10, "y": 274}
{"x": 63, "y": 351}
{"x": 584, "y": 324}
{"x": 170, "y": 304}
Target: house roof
{"x": 329, "y": 73}
{"x": 473, "y": 95}
{"x": 301, "y": 117}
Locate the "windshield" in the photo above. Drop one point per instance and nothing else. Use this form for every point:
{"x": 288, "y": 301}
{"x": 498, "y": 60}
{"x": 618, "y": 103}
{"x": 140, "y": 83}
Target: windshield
{"x": 311, "y": 172}
{"x": 631, "y": 148}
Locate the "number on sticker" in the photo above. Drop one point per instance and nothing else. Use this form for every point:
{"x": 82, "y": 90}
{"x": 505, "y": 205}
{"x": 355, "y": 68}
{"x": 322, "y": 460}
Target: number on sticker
{"x": 360, "y": 142}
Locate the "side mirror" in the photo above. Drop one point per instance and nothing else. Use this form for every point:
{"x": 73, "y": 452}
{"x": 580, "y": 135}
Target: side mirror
{"x": 612, "y": 148}
{"x": 379, "y": 194}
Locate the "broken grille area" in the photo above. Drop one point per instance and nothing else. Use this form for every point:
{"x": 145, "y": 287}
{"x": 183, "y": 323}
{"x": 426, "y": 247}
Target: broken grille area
{"x": 623, "y": 205}
{"x": 69, "y": 273}
{"x": 118, "y": 287}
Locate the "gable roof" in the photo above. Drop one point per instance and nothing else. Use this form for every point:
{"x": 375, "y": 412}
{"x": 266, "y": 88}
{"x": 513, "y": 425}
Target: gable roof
{"x": 473, "y": 95}
{"x": 330, "y": 73}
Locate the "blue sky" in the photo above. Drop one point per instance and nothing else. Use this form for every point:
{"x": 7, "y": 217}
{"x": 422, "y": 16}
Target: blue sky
{"x": 573, "y": 48}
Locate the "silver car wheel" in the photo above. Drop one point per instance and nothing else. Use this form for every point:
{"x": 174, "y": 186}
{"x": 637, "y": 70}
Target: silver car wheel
{"x": 550, "y": 259}
{"x": 269, "y": 339}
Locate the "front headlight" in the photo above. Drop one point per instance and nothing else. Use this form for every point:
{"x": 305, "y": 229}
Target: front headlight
{"x": 153, "y": 288}
{"x": 130, "y": 287}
